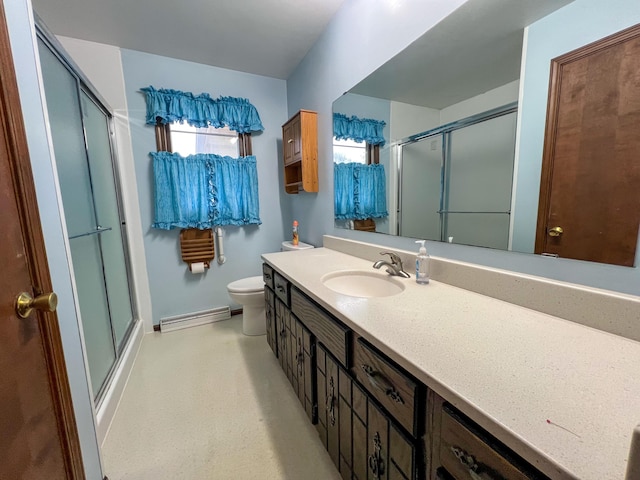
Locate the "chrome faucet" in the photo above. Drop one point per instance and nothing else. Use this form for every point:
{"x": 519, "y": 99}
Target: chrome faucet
{"x": 393, "y": 268}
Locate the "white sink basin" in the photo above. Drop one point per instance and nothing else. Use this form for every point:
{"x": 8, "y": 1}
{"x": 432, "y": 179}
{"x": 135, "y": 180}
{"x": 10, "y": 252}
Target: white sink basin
{"x": 362, "y": 283}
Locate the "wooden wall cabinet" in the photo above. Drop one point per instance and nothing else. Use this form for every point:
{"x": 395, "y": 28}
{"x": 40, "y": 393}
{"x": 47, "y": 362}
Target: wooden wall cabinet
{"x": 300, "y": 152}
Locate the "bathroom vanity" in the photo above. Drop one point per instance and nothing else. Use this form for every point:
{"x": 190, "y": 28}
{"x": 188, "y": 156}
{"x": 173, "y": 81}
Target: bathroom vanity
{"x": 439, "y": 382}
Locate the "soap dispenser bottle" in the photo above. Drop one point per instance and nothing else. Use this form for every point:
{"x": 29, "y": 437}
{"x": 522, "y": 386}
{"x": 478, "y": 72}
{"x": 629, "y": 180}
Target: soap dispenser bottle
{"x": 422, "y": 264}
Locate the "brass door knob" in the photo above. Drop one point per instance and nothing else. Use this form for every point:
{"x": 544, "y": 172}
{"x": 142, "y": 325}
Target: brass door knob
{"x": 555, "y": 231}
{"x": 25, "y": 303}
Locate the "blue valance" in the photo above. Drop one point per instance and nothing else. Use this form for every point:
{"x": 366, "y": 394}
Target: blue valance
{"x": 201, "y": 110}
{"x": 358, "y": 129}
{"x": 204, "y": 190}
{"x": 360, "y": 191}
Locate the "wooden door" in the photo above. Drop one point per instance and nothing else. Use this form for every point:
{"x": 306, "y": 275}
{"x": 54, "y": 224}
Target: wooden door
{"x": 39, "y": 437}
{"x": 590, "y": 187}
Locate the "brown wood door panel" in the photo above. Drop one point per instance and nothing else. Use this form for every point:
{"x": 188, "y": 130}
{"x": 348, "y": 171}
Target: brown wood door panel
{"x": 359, "y": 448}
{"x": 377, "y": 444}
{"x": 39, "y": 437}
{"x": 590, "y": 183}
{"x": 333, "y": 411}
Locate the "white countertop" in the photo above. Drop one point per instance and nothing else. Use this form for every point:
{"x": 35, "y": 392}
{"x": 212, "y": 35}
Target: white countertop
{"x": 507, "y": 367}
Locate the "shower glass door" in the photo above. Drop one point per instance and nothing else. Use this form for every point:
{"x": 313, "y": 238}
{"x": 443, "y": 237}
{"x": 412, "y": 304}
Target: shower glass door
{"x": 456, "y": 181}
{"x": 478, "y": 178}
{"x": 80, "y": 130}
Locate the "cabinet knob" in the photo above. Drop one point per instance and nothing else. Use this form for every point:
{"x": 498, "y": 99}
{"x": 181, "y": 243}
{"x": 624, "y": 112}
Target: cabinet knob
{"x": 290, "y": 140}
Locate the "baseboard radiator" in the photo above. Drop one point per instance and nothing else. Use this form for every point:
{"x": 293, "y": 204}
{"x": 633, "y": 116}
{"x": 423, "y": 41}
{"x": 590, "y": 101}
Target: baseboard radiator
{"x": 187, "y": 320}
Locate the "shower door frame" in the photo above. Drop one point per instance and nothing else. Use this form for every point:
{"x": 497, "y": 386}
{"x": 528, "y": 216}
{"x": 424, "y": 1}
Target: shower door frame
{"x": 444, "y": 132}
{"x": 85, "y": 86}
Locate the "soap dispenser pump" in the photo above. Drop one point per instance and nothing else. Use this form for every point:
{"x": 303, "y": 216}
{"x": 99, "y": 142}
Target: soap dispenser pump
{"x": 422, "y": 264}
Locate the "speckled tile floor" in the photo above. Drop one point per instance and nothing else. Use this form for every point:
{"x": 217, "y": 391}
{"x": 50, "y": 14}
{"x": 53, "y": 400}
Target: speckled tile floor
{"x": 210, "y": 403}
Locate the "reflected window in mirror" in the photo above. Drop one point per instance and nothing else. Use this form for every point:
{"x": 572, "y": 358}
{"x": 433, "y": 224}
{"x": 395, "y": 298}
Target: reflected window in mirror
{"x": 351, "y": 151}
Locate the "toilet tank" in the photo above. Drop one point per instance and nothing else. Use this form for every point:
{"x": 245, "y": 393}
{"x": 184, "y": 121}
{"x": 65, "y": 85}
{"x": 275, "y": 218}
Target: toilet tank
{"x": 288, "y": 246}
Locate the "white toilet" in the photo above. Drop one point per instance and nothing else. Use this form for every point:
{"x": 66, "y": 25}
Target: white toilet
{"x": 249, "y": 292}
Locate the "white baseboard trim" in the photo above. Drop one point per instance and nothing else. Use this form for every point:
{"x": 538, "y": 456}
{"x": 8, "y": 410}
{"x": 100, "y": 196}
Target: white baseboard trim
{"x": 169, "y": 324}
{"x": 108, "y": 406}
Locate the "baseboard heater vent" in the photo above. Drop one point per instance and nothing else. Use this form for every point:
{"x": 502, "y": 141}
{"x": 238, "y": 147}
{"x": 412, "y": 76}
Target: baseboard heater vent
{"x": 178, "y": 322}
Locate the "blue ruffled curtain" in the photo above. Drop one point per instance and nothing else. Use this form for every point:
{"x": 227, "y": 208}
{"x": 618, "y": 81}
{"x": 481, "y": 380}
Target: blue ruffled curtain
{"x": 201, "y": 110}
{"x": 358, "y": 129}
{"x": 204, "y": 190}
{"x": 360, "y": 191}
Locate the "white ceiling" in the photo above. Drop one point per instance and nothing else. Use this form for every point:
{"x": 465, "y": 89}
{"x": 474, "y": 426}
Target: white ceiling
{"x": 475, "y": 49}
{"x": 265, "y": 37}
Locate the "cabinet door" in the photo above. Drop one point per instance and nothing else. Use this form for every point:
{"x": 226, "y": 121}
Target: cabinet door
{"x": 289, "y": 140}
{"x": 321, "y": 388}
{"x": 296, "y": 128}
{"x": 346, "y": 419}
{"x": 332, "y": 405}
{"x": 282, "y": 334}
{"x": 303, "y": 380}
{"x": 377, "y": 444}
{"x": 270, "y": 317}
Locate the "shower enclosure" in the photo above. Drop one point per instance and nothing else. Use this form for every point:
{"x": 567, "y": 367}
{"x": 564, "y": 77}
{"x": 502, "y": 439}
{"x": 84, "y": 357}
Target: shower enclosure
{"x": 81, "y": 130}
{"x": 455, "y": 181}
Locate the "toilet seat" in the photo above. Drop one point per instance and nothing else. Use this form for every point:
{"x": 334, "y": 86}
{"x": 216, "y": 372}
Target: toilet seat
{"x": 247, "y": 285}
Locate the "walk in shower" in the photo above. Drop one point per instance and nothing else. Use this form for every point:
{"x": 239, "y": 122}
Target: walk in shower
{"x": 82, "y": 134}
{"x": 455, "y": 181}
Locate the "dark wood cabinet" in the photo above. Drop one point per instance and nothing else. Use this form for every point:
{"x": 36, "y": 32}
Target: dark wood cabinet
{"x": 397, "y": 391}
{"x": 362, "y": 440}
{"x": 461, "y": 450}
{"x": 375, "y": 419}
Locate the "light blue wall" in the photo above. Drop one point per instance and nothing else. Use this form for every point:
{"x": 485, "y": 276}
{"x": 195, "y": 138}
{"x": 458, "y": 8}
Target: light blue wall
{"x": 175, "y": 291}
{"x": 24, "y": 51}
{"x": 330, "y": 69}
{"x": 577, "y": 24}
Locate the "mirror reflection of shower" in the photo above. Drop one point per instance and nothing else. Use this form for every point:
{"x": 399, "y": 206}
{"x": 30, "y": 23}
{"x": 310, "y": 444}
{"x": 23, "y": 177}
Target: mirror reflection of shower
{"x": 455, "y": 181}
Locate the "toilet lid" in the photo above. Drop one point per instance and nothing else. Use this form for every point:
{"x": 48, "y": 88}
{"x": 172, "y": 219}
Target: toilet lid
{"x": 247, "y": 285}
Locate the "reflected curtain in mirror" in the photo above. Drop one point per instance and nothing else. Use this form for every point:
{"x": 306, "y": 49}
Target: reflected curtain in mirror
{"x": 358, "y": 129}
{"x": 360, "y": 191}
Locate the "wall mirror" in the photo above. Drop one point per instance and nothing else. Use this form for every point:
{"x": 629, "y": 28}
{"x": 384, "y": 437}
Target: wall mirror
{"x": 458, "y": 159}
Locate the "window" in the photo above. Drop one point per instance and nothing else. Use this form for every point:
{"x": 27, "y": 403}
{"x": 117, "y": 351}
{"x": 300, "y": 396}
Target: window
{"x": 187, "y": 140}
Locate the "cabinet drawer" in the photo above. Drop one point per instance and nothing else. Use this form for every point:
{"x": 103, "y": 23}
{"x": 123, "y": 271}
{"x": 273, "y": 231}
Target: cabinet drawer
{"x": 267, "y": 275}
{"x": 281, "y": 287}
{"x": 328, "y": 331}
{"x": 393, "y": 388}
{"x": 462, "y": 449}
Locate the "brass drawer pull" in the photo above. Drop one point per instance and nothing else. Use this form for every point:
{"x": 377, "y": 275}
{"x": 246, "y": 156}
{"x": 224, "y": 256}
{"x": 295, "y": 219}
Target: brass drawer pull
{"x": 300, "y": 357}
{"x": 376, "y": 462}
{"x": 475, "y": 469}
{"x": 331, "y": 400}
{"x": 382, "y": 383}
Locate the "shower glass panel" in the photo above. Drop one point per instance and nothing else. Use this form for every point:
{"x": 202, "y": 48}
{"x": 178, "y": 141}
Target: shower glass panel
{"x": 96, "y": 124}
{"x": 83, "y": 151}
{"x": 478, "y": 176}
{"x": 420, "y": 189}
